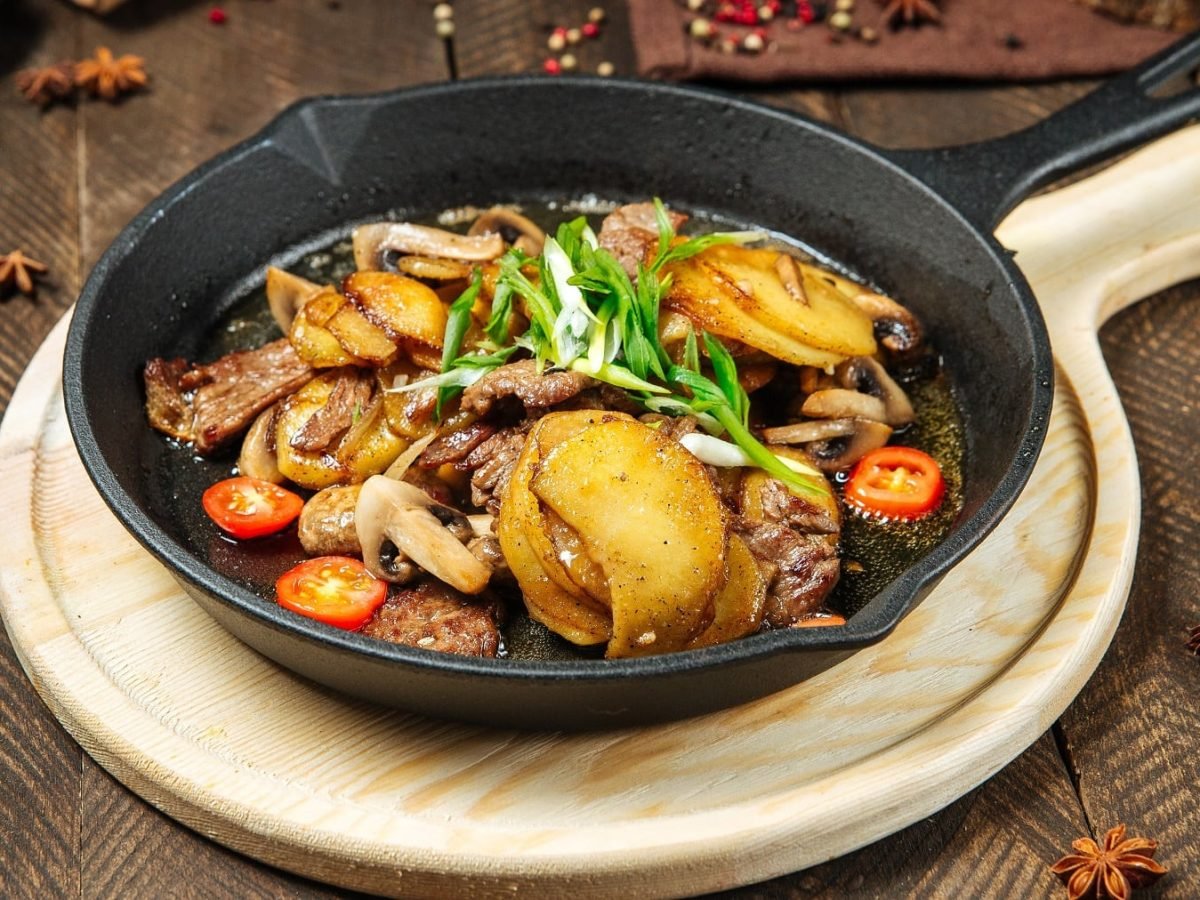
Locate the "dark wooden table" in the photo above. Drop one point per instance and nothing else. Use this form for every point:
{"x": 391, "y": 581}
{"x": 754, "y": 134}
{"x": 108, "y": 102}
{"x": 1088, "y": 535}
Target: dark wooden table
{"x": 1126, "y": 751}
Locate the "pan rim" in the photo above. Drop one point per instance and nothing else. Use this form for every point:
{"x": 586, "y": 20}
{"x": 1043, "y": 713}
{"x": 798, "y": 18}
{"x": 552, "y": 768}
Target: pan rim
{"x": 870, "y": 626}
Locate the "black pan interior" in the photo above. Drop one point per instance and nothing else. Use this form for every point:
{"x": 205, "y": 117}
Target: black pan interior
{"x": 326, "y": 164}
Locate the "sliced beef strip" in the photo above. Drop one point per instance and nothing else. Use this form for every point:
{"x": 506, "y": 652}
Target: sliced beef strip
{"x": 455, "y": 446}
{"x": 522, "y": 380}
{"x": 491, "y": 465}
{"x": 350, "y": 396}
{"x": 167, "y": 405}
{"x": 803, "y": 569}
{"x": 673, "y": 427}
{"x": 783, "y": 506}
{"x": 434, "y": 616}
{"x": 222, "y": 398}
{"x": 630, "y": 233}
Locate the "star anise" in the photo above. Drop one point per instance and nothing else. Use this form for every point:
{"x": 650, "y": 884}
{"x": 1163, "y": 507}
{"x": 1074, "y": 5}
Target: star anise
{"x": 1193, "y": 643}
{"x": 1112, "y": 871}
{"x": 47, "y": 84}
{"x": 108, "y": 77}
{"x": 18, "y": 269}
{"x": 910, "y": 12}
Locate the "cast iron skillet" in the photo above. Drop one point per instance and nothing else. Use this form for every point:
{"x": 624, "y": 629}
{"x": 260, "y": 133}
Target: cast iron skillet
{"x": 917, "y": 223}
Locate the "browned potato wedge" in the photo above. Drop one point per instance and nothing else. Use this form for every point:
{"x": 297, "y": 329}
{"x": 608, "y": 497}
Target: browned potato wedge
{"x": 824, "y": 319}
{"x": 708, "y": 298}
{"x": 312, "y": 341}
{"x": 738, "y": 606}
{"x": 362, "y": 339}
{"x": 403, "y": 307}
{"x": 647, "y": 513}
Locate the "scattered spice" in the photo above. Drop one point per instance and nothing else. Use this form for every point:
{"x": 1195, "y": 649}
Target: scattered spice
{"x": 217, "y": 16}
{"x": 1193, "y": 642}
{"x": 47, "y": 84}
{"x": 564, "y": 42}
{"x": 910, "y": 12}
{"x": 18, "y": 270}
{"x": 1013, "y": 41}
{"x": 1113, "y": 870}
{"x": 605, "y": 69}
{"x": 109, "y": 77}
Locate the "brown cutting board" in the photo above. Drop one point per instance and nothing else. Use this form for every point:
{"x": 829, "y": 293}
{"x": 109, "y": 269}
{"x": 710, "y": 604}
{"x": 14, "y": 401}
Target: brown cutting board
{"x": 375, "y": 799}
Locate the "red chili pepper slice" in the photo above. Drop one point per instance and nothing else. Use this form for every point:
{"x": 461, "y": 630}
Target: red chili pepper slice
{"x": 896, "y": 483}
{"x": 337, "y": 590}
{"x": 249, "y": 508}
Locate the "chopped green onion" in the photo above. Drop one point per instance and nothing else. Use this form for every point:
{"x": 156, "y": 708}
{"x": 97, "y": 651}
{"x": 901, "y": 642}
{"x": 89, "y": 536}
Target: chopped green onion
{"x": 457, "y": 322}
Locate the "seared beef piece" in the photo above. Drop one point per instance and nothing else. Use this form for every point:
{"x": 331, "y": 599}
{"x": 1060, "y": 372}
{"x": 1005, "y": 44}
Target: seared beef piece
{"x": 782, "y": 506}
{"x": 630, "y": 233}
{"x": 428, "y": 481}
{"x": 522, "y": 380}
{"x": 606, "y": 397}
{"x": 167, "y": 404}
{"x": 673, "y": 427}
{"x": 434, "y": 616}
{"x": 350, "y": 396}
{"x": 455, "y": 446}
{"x": 803, "y": 569}
{"x": 491, "y": 465}
{"x": 327, "y": 522}
{"x": 225, "y": 395}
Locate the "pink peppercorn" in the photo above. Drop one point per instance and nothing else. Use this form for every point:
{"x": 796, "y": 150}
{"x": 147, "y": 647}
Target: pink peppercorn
{"x": 590, "y": 30}
{"x": 552, "y": 67}
{"x": 217, "y": 16}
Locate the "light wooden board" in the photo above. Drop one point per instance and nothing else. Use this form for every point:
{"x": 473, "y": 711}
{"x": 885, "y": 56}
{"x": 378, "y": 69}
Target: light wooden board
{"x": 374, "y": 799}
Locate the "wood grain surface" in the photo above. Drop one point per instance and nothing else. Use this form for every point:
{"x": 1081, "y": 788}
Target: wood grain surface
{"x": 1126, "y": 751}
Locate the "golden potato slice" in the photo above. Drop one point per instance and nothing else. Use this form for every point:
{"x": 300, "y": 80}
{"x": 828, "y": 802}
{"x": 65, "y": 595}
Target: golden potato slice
{"x": 738, "y": 606}
{"x": 368, "y": 448}
{"x": 362, "y": 339}
{"x": 401, "y": 306}
{"x": 708, "y": 298}
{"x": 567, "y": 614}
{"x": 312, "y": 341}
{"x": 647, "y": 513}
{"x": 824, "y": 318}
{"x": 547, "y": 535}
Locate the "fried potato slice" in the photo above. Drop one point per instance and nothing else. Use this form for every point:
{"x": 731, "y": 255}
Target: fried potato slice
{"x": 368, "y": 448}
{"x": 648, "y": 514}
{"x": 359, "y": 337}
{"x": 312, "y": 341}
{"x": 738, "y": 606}
{"x": 706, "y": 296}
{"x": 820, "y": 316}
{"x": 550, "y": 596}
{"x": 403, "y": 307}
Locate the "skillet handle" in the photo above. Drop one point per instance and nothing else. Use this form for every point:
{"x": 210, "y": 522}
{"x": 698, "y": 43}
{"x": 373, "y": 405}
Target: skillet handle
{"x": 985, "y": 181}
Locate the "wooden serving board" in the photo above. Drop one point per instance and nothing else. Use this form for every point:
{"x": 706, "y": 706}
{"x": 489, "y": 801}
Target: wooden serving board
{"x": 374, "y": 799}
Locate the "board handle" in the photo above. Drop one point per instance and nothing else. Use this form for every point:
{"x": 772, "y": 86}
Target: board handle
{"x": 1090, "y": 249}
{"x": 986, "y": 180}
